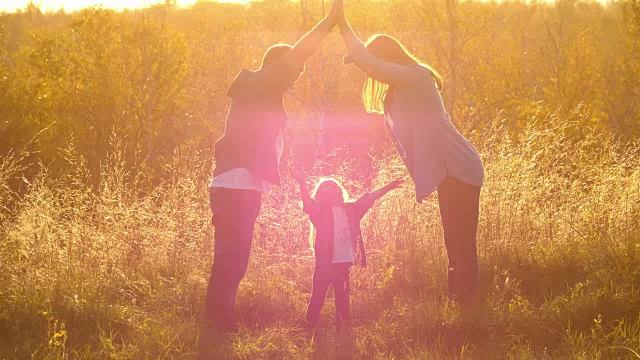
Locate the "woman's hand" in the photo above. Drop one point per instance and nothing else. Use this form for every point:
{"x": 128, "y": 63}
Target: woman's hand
{"x": 351, "y": 40}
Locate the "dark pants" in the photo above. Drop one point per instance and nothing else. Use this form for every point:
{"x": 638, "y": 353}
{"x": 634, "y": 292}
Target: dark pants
{"x": 234, "y": 215}
{"x": 338, "y": 276}
{"x": 459, "y": 209}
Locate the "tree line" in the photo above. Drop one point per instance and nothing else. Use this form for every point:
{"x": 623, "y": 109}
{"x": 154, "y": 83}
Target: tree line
{"x": 156, "y": 78}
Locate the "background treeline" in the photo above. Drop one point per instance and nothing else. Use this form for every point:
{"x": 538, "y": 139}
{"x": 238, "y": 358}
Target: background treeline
{"x": 157, "y": 77}
{"x": 107, "y": 124}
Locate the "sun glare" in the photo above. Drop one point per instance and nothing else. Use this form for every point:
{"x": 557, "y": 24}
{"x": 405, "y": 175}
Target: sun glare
{"x": 73, "y": 5}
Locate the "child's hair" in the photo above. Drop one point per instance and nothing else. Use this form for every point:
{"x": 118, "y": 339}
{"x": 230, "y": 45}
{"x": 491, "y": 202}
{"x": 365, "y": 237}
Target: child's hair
{"x": 324, "y": 182}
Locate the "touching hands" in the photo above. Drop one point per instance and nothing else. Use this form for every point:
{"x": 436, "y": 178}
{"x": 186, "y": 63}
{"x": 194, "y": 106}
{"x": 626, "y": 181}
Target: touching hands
{"x": 337, "y": 12}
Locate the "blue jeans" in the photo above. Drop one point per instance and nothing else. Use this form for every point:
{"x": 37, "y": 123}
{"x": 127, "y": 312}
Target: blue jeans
{"x": 234, "y": 216}
{"x": 459, "y": 209}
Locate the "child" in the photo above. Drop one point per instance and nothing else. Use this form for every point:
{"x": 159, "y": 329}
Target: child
{"x": 338, "y": 241}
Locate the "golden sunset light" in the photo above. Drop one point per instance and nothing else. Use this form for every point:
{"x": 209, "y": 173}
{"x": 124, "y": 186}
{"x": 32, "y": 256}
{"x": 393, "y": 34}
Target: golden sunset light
{"x": 73, "y": 5}
{"x": 319, "y": 179}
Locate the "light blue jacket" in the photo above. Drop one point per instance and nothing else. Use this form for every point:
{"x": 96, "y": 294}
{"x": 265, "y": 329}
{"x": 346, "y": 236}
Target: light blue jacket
{"x": 430, "y": 146}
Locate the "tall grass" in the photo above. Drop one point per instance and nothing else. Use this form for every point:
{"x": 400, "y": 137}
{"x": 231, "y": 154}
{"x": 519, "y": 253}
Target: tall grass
{"x": 120, "y": 271}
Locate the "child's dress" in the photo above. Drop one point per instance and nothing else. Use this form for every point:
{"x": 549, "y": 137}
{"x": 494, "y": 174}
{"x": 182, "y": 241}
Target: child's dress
{"x": 338, "y": 246}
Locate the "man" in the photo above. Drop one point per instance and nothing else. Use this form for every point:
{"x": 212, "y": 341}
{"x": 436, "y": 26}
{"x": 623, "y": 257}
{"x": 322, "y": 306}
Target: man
{"x": 247, "y": 158}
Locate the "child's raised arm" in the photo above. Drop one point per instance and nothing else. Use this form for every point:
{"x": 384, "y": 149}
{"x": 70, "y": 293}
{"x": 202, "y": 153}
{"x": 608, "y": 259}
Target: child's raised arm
{"x": 299, "y": 178}
{"x": 368, "y": 199}
{"x": 308, "y": 204}
{"x": 377, "y": 194}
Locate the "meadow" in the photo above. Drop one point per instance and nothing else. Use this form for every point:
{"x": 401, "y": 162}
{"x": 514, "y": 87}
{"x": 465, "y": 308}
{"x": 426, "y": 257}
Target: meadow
{"x": 108, "y": 125}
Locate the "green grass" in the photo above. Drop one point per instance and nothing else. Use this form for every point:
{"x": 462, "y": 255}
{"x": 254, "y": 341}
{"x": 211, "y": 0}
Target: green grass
{"x": 120, "y": 271}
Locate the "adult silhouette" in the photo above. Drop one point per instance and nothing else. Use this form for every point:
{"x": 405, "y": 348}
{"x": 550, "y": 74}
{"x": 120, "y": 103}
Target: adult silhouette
{"x": 437, "y": 156}
{"x": 247, "y": 158}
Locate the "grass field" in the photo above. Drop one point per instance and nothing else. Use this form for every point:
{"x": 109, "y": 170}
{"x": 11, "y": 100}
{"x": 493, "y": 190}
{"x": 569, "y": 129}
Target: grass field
{"x": 119, "y": 271}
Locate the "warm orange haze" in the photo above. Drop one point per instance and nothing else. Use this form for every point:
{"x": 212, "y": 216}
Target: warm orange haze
{"x": 75, "y": 5}
{"x": 463, "y": 185}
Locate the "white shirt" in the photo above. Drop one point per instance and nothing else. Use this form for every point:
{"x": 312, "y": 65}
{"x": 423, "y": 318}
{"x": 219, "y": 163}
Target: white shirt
{"x": 343, "y": 250}
{"x": 243, "y": 179}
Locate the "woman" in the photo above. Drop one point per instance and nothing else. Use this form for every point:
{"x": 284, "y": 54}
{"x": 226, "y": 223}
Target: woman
{"x": 407, "y": 92}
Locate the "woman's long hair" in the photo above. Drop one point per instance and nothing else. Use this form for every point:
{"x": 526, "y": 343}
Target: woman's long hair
{"x": 388, "y": 49}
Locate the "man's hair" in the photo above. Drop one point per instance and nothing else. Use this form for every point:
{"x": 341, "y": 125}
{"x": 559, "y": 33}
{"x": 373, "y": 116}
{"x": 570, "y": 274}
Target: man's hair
{"x": 274, "y": 53}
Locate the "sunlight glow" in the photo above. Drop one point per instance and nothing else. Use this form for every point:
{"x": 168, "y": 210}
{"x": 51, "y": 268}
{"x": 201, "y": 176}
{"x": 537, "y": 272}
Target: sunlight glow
{"x": 73, "y": 5}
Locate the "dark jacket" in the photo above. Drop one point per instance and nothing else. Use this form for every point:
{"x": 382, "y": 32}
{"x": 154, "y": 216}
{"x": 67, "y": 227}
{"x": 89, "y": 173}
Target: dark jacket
{"x": 321, "y": 217}
{"x": 256, "y": 117}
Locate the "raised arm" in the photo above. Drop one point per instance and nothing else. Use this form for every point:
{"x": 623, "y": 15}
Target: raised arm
{"x": 299, "y": 178}
{"x": 308, "y": 204}
{"x": 351, "y": 40}
{"x": 309, "y": 43}
{"x": 376, "y": 68}
{"x": 367, "y": 200}
{"x": 377, "y": 194}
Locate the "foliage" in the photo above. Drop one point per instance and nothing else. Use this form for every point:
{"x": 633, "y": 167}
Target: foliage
{"x": 157, "y": 77}
{"x": 117, "y": 273}
{"x": 108, "y": 121}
